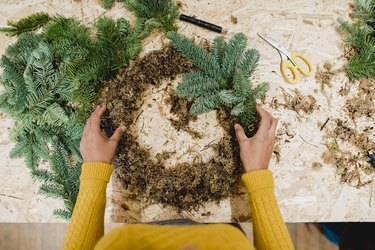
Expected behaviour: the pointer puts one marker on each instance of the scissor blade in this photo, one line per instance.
(274, 44)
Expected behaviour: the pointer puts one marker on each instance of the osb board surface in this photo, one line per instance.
(304, 194)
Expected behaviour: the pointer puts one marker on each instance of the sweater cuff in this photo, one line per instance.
(258, 180)
(96, 170)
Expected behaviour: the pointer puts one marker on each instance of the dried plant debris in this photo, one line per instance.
(363, 103)
(324, 76)
(296, 101)
(316, 165)
(234, 19)
(299, 103)
(284, 132)
(277, 152)
(352, 161)
(185, 186)
(283, 135)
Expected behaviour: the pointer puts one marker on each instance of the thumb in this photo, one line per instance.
(117, 134)
(240, 133)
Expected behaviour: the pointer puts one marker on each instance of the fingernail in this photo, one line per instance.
(235, 126)
(123, 128)
(98, 106)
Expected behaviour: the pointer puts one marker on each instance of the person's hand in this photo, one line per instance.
(256, 151)
(95, 146)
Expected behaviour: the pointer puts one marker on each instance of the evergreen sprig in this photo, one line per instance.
(360, 35)
(27, 24)
(60, 181)
(106, 4)
(223, 77)
(161, 14)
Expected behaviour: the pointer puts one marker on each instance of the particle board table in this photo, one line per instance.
(304, 193)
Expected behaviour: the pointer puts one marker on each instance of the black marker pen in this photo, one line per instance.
(201, 23)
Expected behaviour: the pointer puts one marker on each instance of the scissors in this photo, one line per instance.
(289, 62)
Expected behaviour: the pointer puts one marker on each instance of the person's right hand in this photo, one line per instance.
(256, 151)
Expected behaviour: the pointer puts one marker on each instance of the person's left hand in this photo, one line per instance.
(95, 146)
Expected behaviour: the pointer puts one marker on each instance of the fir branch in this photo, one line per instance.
(198, 56)
(232, 54)
(26, 24)
(61, 181)
(63, 214)
(218, 48)
(163, 12)
(222, 79)
(195, 84)
(360, 36)
(106, 4)
(205, 103)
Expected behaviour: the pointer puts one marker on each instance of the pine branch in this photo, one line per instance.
(162, 12)
(62, 180)
(232, 54)
(198, 56)
(26, 24)
(205, 103)
(222, 79)
(195, 84)
(63, 214)
(360, 36)
(106, 4)
(218, 48)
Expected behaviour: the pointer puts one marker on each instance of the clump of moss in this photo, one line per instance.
(362, 104)
(186, 186)
(324, 76)
(180, 108)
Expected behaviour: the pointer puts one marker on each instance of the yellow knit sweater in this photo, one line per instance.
(86, 230)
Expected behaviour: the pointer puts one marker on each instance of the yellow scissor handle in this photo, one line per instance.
(296, 56)
(294, 69)
(284, 67)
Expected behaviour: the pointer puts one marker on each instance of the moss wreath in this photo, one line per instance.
(187, 185)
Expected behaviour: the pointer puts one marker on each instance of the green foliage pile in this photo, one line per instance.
(360, 35)
(51, 76)
(223, 77)
(50, 82)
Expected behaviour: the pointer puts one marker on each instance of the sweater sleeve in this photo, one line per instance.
(270, 231)
(87, 223)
